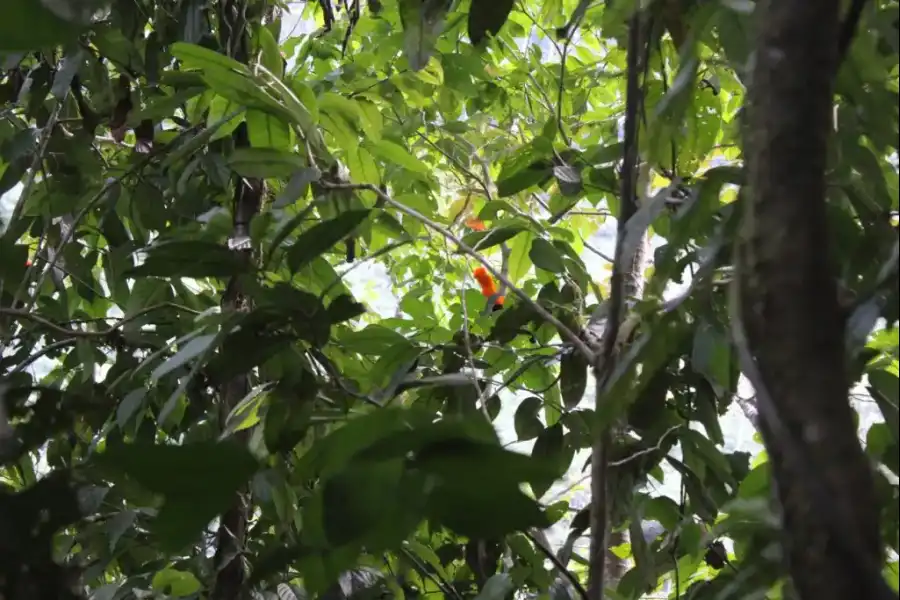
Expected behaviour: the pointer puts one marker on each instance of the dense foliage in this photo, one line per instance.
(195, 403)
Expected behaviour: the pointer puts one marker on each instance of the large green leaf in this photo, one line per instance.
(422, 23)
(198, 481)
(184, 258)
(322, 236)
(265, 162)
(486, 17)
(33, 24)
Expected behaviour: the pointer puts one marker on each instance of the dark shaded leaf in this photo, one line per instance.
(498, 587)
(375, 504)
(546, 256)
(343, 308)
(711, 357)
(511, 322)
(487, 17)
(482, 240)
(297, 186)
(197, 479)
(527, 423)
(569, 180)
(319, 238)
(537, 174)
(188, 258)
(192, 349)
(489, 511)
(289, 412)
(422, 23)
(266, 162)
(573, 374)
(31, 24)
(331, 454)
(885, 389)
(549, 448)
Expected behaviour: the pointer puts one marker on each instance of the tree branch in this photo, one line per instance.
(565, 332)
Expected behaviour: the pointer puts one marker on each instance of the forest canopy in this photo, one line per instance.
(449, 299)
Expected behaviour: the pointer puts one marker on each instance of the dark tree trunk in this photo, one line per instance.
(788, 301)
(248, 192)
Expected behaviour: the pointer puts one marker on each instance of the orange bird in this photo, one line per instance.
(475, 223)
(488, 286)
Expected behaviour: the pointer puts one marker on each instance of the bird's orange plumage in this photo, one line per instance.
(476, 224)
(488, 287)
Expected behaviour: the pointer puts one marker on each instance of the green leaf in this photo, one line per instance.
(569, 180)
(31, 25)
(233, 80)
(422, 23)
(392, 368)
(477, 487)
(330, 102)
(295, 189)
(489, 511)
(333, 453)
(268, 131)
(375, 504)
(374, 339)
(573, 375)
(498, 587)
(184, 258)
(713, 458)
(508, 185)
(194, 348)
(482, 240)
(245, 413)
(512, 322)
(428, 555)
(343, 308)
(546, 256)
(885, 390)
(549, 449)
(270, 55)
(526, 421)
(198, 57)
(519, 263)
(319, 238)
(265, 162)
(198, 481)
(487, 17)
(711, 357)
(395, 154)
(227, 122)
(178, 584)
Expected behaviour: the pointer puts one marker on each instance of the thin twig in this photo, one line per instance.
(78, 333)
(640, 453)
(570, 577)
(605, 257)
(46, 134)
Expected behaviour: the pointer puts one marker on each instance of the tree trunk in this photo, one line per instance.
(788, 303)
(626, 279)
(633, 286)
(231, 536)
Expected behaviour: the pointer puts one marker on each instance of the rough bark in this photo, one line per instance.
(789, 306)
(633, 287)
(231, 536)
(626, 282)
